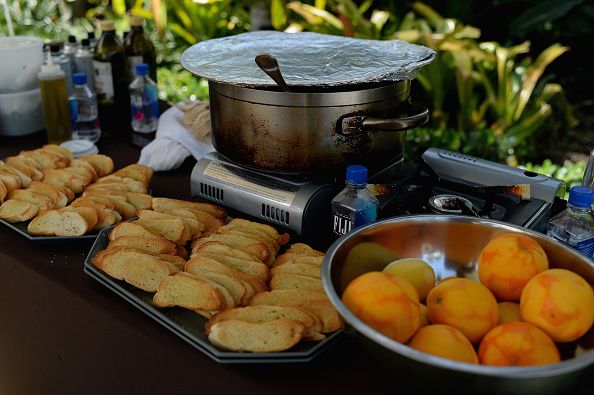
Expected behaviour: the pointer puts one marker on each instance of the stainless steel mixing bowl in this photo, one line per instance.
(451, 245)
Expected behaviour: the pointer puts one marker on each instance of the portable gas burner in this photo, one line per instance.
(444, 182)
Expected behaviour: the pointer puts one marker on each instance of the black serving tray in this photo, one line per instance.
(21, 228)
(189, 325)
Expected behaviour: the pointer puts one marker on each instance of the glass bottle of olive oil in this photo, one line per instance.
(111, 82)
(139, 49)
(54, 101)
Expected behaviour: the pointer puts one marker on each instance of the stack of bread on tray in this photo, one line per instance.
(41, 186)
(255, 300)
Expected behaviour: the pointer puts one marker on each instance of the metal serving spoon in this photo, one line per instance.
(269, 65)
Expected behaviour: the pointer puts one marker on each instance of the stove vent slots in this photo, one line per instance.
(212, 192)
(275, 214)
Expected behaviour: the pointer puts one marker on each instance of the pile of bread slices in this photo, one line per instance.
(255, 300)
(42, 186)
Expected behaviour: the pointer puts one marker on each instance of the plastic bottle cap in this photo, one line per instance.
(80, 147)
(356, 174)
(72, 39)
(79, 78)
(85, 42)
(91, 35)
(142, 69)
(106, 26)
(55, 47)
(581, 197)
(135, 21)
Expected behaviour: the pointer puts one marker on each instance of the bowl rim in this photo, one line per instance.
(403, 350)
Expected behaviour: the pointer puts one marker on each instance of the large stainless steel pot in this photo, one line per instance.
(305, 132)
(451, 245)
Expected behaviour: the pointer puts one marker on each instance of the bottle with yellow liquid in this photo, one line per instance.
(54, 100)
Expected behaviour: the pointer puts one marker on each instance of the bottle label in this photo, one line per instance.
(73, 105)
(132, 62)
(103, 81)
(145, 108)
(342, 224)
(586, 247)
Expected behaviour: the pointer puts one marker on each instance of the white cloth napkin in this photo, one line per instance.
(173, 143)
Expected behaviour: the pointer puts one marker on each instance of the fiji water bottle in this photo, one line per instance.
(575, 225)
(145, 106)
(354, 205)
(83, 110)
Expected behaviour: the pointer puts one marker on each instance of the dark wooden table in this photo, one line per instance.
(61, 332)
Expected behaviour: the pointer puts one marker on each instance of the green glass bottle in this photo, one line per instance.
(139, 49)
(111, 81)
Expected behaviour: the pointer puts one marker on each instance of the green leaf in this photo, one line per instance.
(321, 4)
(278, 14)
(428, 13)
(183, 33)
(119, 7)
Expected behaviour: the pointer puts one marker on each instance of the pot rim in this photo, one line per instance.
(389, 91)
(563, 367)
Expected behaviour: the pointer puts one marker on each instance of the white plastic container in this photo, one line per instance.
(20, 113)
(22, 57)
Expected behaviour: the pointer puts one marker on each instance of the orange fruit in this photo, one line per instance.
(465, 305)
(444, 341)
(508, 262)
(416, 271)
(385, 302)
(424, 315)
(509, 312)
(517, 344)
(559, 302)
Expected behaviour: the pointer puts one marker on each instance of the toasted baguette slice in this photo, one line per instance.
(59, 223)
(172, 229)
(59, 150)
(3, 192)
(234, 286)
(132, 186)
(151, 246)
(39, 186)
(262, 313)
(219, 248)
(210, 221)
(30, 162)
(285, 296)
(196, 227)
(326, 313)
(104, 201)
(81, 171)
(137, 172)
(255, 248)
(251, 267)
(86, 165)
(296, 268)
(178, 262)
(24, 178)
(181, 251)
(164, 204)
(11, 182)
(290, 257)
(295, 281)
(304, 249)
(103, 164)
(188, 291)
(18, 211)
(88, 213)
(134, 229)
(61, 177)
(278, 335)
(24, 166)
(200, 265)
(268, 230)
(140, 270)
(59, 199)
(47, 159)
(141, 201)
(25, 195)
(105, 219)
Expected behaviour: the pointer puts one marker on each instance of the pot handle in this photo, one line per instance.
(359, 123)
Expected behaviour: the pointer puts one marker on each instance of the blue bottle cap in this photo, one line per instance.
(581, 197)
(142, 69)
(79, 78)
(356, 174)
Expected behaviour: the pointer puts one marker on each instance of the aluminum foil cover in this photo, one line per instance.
(305, 59)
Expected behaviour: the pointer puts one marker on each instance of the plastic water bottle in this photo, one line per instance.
(83, 110)
(63, 61)
(354, 205)
(144, 103)
(70, 48)
(575, 225)
(83, 61)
